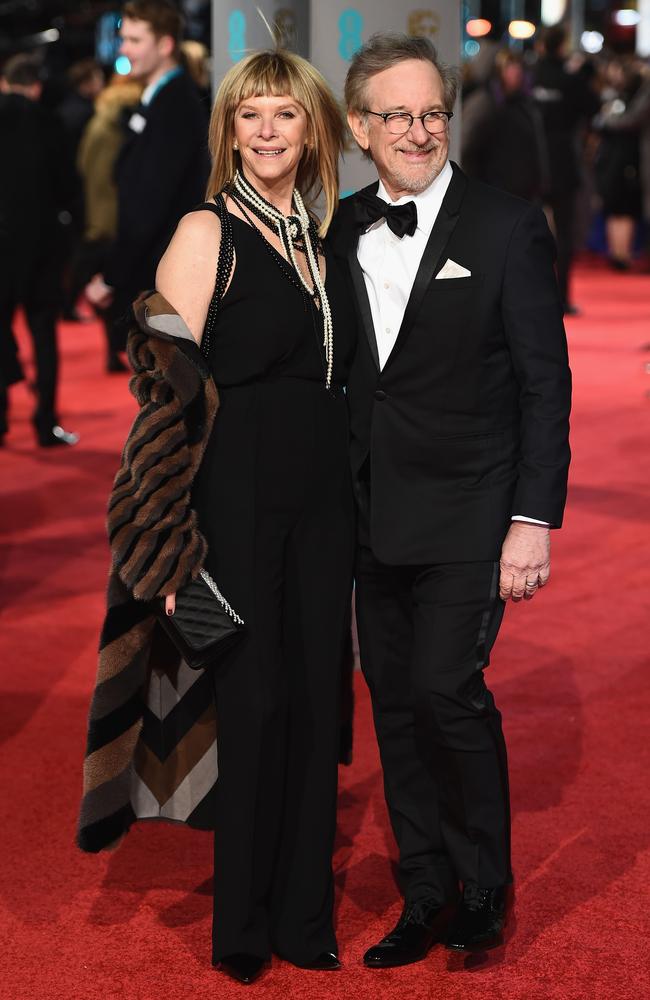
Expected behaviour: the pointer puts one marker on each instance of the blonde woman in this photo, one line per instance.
(273, 499)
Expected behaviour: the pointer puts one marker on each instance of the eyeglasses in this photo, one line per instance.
(399, 122)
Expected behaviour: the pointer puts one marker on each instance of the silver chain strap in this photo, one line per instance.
(207, 579)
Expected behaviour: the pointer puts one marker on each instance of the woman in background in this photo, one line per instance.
(99, 148)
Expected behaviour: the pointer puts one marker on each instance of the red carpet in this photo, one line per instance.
(570, 672)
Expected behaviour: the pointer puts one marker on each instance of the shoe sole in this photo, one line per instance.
(487, 945)
(395, 965)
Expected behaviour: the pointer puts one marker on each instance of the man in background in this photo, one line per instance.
(36, 184)
(163, 167)
(566, 103)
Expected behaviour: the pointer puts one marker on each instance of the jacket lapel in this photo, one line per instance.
(429, 263)
(359, 284)
(363, 302)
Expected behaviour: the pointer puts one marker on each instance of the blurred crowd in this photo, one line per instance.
(91, 188)
(569, 131)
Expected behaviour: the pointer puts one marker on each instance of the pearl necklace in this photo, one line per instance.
(288, 229)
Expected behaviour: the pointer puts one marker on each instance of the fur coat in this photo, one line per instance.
(151, 748)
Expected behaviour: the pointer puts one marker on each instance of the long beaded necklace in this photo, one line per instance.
(289, 229)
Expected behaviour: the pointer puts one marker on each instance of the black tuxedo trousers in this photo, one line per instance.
(425, 635)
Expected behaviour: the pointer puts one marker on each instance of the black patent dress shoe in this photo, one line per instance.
(417, 930)
(327, 961)
(479, 921)
(244, 968)
(56, 436)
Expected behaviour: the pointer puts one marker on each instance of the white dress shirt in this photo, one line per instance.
(390, 264)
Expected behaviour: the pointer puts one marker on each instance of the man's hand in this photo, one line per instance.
(99, 293)
(525, 561)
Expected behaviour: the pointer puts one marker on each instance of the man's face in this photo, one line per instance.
(407, 163)
(145, 52)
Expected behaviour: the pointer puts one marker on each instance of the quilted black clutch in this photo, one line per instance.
(203, 626)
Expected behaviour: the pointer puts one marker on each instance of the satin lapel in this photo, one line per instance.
(363, 302)
(438, 240)
(361, 291)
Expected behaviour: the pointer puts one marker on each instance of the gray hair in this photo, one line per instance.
(386, 49)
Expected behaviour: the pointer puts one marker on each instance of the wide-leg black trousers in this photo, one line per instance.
(425, 635)
(281, 537)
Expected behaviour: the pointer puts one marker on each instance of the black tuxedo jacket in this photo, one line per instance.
(161, 174)
(467, 423)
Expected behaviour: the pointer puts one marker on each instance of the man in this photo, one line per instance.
(36, 184)
(163, 167)
(502, 140)
(566, 103)
(459, 400)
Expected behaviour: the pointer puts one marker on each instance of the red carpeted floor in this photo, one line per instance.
(570, 672)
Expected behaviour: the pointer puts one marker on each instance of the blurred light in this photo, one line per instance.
(478, 26)
(472, 48)
(521, 29)
(627, 18)
(122, 66)
(51, 35)
(553, 11)
(643, 30)
(592, 41)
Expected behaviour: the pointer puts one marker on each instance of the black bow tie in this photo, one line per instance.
(400, 219)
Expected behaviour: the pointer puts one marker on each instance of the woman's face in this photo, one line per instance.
(271, 134)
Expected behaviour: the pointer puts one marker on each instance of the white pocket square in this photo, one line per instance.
(453, 270)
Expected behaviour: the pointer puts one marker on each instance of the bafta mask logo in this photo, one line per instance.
(284, 27)
(424, 23)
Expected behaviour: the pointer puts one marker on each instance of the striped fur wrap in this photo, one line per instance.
(151, 747)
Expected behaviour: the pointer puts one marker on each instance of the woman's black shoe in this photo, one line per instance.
(327, 961)
(244, 968)
(114, 364)
(479, 921)
(417, 930)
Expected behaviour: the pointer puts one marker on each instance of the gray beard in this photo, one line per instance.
(412, 185)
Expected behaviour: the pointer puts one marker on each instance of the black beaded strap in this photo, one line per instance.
(224, 269)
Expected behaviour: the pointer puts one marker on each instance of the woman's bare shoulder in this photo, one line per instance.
(200, 227)
(185, 275)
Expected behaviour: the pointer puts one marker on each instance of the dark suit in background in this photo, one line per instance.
(36, 183)
(161, 175)
(566, 103)
(465, 426)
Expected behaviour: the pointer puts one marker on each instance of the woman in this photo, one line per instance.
(99, 149)
(617, 165)
(272, 498)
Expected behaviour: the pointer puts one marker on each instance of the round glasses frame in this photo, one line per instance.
(399, 122)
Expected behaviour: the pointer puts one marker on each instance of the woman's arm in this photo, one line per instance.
(187, 270)
(186, 276)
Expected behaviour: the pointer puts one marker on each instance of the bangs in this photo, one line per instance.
(268, 75)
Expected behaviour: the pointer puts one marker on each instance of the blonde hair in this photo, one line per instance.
(276, 74)
(120, 92)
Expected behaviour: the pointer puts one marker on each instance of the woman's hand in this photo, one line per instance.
(170, 604)
(98, 292)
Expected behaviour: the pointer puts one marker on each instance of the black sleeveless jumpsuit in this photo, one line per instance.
(274, 500)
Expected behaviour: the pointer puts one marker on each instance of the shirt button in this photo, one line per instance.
(380, 395)
(387, 329)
